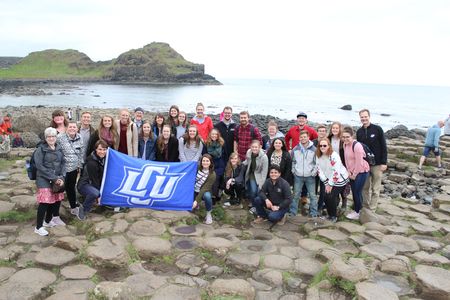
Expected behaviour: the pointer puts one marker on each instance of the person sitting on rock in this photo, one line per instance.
(234, 180)
(274, 199)
(432, 144)
(204, 181)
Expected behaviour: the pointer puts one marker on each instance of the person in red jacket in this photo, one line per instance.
(292, 137)
(203, 122)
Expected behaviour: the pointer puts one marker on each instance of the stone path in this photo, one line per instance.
(401, 250)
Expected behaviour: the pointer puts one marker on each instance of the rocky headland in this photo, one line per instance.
(400, 251)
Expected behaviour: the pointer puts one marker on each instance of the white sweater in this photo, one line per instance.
(331, 170)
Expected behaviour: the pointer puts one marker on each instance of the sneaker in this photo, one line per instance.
(333, 219)
(353, 216)
(74, 211)
(259, 220)
(252, 210)
(235, 201)
(41, 231)
(226, 204)
(81, 215)
(49, 224)
(57, 220)
(282, 221)
(419, 168)
(116, 209)
(208, 219)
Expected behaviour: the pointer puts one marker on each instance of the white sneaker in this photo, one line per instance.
(353, 215)
(41, 231)
(116, 209)
(49, 224)
(58, 221)
(74, 211)
(208, 219)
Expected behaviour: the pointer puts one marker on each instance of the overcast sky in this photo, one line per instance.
(393, 41)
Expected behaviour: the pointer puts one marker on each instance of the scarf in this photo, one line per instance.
(215, 149)
(106, 135)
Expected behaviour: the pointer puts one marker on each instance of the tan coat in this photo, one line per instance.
(132, 138)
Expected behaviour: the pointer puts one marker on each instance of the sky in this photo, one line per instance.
(393, 41)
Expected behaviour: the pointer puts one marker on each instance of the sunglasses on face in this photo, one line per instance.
(323, 146)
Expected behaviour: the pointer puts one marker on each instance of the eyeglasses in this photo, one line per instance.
(323, 146)
(51, 136)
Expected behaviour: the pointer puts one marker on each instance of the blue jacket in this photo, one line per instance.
(50, 165)
(150, 148)
(433, 135)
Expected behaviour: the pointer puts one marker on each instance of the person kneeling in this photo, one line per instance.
(204, 181)
(274, 199)
(91, 178)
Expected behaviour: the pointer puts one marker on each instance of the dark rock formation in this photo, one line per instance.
(400, 130)
(346, 107)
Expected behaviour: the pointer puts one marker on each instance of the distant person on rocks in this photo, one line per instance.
(5, 133)
(107, 132)
(85, 131)
(432, 144)
(274, 199)
(358, 170)
(158, 124)
(203, 122)
(91, 178)
(304, 171)
(59, 121)
(128, 134)
(190, 145)
(73, 149)
(167, 146)
(147, 142)
(272, 133)
(226, 128)
(182, 124)
(69, 114)
(172, 120)
(50, 168)
(244, 135)
(77, 113)
(447, 126)
(373, 136)
(293, 135)
(204, 181)
(257, 165)
(333, 174)
(138, 118)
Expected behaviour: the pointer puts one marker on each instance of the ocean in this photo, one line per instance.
(390, 105)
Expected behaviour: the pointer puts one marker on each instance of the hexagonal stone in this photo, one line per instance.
(145, 228)
(379, 251)
(6, 206)
(400, 243)
(350, 228)
(6, 272)
(176, 292)
(244, 261)
(332, 234)
(26, 284)
(186, 230)
(103, 227)
(52, 256)
(434, 281)
(24, 201)
(421, 208)
(148, 247)
(70, 243)
(275, 261)
(78, 272)
(271, 277)
(238, 287)
(312, 245)
(354, 270)
(217, 243)
(256, 246)
(144, 285)
(108, 251)
(371, 291)
(422, 228)
(397, 265)
(426, 258)
(308, 266)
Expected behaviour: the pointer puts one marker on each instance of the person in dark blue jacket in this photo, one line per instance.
(146, 142)
(432, 144)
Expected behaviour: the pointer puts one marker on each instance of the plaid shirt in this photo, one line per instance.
(243, 137)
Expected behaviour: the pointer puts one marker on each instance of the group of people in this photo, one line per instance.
(255, 171)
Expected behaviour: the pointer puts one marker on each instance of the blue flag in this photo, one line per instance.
(133, 182)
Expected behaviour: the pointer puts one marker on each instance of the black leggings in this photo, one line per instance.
(48, 211)
(71, 181)
(332, 200)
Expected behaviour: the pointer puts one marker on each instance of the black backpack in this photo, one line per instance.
(31, 164)
(370, 157)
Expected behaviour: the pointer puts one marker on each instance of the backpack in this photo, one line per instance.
(370, 157)
(31, 164)
(252, 132)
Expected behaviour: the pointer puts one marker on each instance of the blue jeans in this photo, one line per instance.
(272, 216)
(252, 190)
(310, 183)
(207, 197)
(90, 193)
(357, 188)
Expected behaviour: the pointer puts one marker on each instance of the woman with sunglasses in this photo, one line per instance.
(333, 174)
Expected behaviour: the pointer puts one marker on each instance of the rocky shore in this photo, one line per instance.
(401, 251)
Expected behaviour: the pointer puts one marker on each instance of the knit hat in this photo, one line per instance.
(302, 114)
(139, 109)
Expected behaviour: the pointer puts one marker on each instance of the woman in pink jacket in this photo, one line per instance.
(357, 167)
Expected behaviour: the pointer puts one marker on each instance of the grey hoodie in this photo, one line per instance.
(304, 160)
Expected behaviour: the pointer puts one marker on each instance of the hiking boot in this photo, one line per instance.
(282, 221)
(41, 231)
(259, 220)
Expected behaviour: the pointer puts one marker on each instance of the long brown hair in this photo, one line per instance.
(187, 139)
(330, 133)
(112, 129)
(211, 166)
(219, 137)
(141, 131)
(173, 121)
(58, 113)
(160, 140)
(330, 148)
(229, 167)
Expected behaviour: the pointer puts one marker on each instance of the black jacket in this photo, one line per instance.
(227, 133)
(373, 137)
(285, 166)
(173, 151)
(238, 175)
(279, 193)
(92, 172)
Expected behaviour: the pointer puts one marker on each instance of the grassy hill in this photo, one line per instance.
(156, 62)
